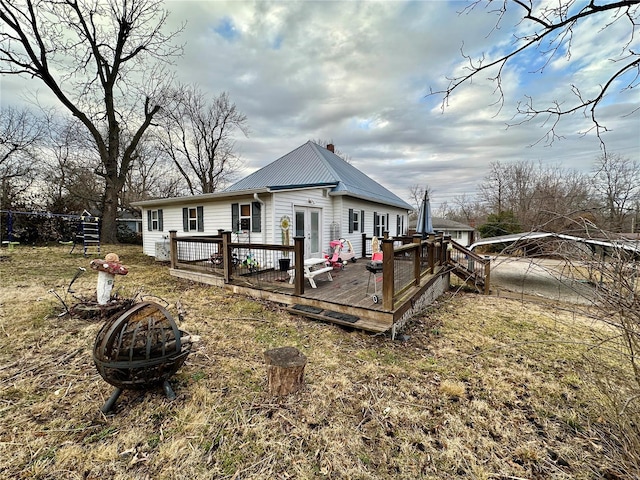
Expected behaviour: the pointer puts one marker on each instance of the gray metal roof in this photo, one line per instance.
(446, 224)
(312, 165)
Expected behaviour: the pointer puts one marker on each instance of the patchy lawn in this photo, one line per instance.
(483, 388)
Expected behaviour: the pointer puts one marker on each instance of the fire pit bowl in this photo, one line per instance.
(141, 348)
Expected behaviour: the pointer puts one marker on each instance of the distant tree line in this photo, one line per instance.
(526, 196)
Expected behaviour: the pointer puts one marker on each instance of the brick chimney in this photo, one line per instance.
(331, 148)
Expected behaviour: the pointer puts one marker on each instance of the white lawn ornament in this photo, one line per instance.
(107, 270)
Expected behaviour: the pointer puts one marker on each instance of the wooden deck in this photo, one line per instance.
(346, 300)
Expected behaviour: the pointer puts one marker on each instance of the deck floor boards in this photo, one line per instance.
(350, 292)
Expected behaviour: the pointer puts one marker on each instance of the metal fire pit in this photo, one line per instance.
(139, 349)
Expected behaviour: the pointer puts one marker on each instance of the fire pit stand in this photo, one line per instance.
(139, 349)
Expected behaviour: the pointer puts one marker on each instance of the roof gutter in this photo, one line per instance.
(190, 199)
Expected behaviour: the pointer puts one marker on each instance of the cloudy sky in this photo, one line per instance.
(359, 74)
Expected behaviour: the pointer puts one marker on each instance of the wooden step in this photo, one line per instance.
(325, 315)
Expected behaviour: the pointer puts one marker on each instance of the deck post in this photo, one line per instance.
(446, 240)
(387, 272)
(227, 253)
(173, 248)
(431, 246)
(417, 258)
(487, 274)
(298, 264)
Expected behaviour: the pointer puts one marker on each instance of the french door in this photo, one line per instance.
(308, 224)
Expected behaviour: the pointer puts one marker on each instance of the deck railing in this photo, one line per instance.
(470, 267)
(254, 264)
(404, 263)
(406, 260)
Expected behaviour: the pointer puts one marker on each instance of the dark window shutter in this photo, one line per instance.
(160, 224)
(375, 224)
(386, 224)
(256, 217)
(362, 221)
(235, 217)
(149, 220)
(351, 220)
(200, 213)
(185, 219)
(398, 232)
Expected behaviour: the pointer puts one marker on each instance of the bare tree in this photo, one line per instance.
(551, 29)
(540, 197)
(152, 176)
(199, 138)
(66, 170)
(617, 180)
(467, 210)
(20, 132)
(103, 61)
(416, 194)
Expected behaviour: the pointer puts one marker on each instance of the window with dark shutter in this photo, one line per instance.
(256, 217)
(200, 217)
(149, 220)
(160, 224)
(185, 219)
(235, 217)
(351, 220)
(362, 221)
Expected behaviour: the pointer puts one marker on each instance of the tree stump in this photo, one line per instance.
(285, 370)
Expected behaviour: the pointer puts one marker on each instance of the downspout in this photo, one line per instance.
(263, 216)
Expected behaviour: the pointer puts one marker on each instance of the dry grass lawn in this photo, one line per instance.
(483, 388)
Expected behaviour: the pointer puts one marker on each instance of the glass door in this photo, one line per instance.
(308, 224)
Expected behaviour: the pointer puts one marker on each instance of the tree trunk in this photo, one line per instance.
(109, 227)
(285, 370)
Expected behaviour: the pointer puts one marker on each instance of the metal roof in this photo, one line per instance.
(446, 224)
(311, 165)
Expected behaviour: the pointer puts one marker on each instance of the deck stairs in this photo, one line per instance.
(470, 267)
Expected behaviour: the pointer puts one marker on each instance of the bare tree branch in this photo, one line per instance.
(554, 25)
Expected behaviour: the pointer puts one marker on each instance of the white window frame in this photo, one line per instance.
(356, 220)
(192, 215)
(155, 220)
(244, 218)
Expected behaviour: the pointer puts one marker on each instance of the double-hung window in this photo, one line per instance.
(400, 225)
(246, 217)
(355, 220)
(380, 223)
(193, 219)
(154, 220)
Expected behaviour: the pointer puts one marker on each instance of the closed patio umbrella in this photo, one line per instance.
(425, 224)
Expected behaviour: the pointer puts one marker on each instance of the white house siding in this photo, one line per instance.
(216, 215)
(460, 236)
(343, 203)
(369, 208)
(286, 201)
